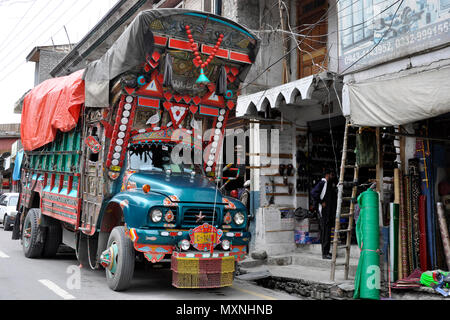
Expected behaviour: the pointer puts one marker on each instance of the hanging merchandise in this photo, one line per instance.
(399, 228)
(403, 222)
(414, 175)
(407, 184)
(367, 279)
(366, 148)
(393, 244)
(444, 232)
(423, 233)
(424, 153)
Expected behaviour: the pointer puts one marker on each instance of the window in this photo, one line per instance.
(157, 158)
(313, 49)
(356, 20)
(213, 6)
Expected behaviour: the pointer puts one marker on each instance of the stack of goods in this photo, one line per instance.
(419, 231)
(306, 227)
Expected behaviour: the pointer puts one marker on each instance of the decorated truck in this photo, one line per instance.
(121, 158)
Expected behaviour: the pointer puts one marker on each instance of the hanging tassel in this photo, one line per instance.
(221, 84)
(168, 71)
(202, 78)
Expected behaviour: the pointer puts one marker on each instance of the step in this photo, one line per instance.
(320, 275)
(282, 260)
(249, 262)
(316, 261)
(317, 249)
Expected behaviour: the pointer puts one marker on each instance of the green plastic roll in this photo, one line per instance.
(367, 280)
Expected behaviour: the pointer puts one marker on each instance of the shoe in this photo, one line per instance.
(282, 169)
(327, 256)
(289, 170)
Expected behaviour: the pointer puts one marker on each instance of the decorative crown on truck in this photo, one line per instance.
(99, 173)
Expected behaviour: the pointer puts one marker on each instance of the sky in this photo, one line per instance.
(25, 24)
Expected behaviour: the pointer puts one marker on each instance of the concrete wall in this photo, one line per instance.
(47, 61)
(193, 4)
(261, 16)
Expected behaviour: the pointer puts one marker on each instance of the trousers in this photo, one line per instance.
(325, 234)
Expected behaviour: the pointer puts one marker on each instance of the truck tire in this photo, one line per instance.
(52, 240)
(121, 279)
(32, 247)
(6, 223)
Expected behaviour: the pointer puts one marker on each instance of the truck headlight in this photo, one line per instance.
(225, 244)
(156, 215)
(239, 218)
(184, 245)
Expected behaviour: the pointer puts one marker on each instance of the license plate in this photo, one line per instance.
(202, 238)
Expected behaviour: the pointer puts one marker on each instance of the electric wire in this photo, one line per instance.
(25, 31)
(324, 16)
(26, 49)
(17, 24)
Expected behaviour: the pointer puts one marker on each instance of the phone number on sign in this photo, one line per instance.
(422, 35)
(391, 46)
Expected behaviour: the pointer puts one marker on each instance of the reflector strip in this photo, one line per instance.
(160, 41)
(241, 57)
(148, 102)
(222, 53)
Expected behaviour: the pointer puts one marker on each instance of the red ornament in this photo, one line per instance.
(195, 49)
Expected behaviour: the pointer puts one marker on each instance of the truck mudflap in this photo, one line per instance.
(199, 272)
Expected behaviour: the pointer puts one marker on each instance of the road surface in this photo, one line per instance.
(61, 278)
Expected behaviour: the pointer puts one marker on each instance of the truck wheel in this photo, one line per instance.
(32, 247)
(119, 277)
(52, 240)
(6, 223)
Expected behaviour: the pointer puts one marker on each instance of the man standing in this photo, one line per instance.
(325, 201)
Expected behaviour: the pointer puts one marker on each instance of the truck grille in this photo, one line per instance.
(191, 216)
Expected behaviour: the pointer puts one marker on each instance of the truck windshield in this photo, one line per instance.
(157, 158)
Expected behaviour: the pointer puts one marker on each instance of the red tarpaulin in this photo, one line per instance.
(53, 105)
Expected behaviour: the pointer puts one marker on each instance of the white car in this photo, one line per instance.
(8, 203)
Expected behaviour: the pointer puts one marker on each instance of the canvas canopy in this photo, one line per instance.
(130, 49)
(399, 100)
(53, 105)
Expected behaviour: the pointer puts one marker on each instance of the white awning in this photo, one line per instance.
(399, 100)
(288, 93)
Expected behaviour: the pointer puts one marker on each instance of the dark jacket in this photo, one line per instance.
(330, 199)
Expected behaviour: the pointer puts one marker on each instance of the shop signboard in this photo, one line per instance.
(376, 31)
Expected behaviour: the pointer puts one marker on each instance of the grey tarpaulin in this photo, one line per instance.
(400, 100)
(130, 49)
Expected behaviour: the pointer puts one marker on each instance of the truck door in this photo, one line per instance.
(92, 176)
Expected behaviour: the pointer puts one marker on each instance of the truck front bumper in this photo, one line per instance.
(155, 244)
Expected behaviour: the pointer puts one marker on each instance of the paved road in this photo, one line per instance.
(61, 278)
